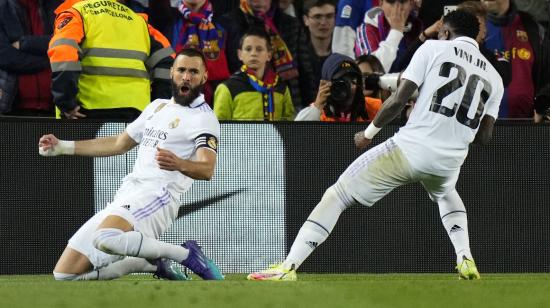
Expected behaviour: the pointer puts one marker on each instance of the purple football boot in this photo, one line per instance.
(199, 263)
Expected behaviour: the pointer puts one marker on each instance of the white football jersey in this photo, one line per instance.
(168, 125)
(457, 87)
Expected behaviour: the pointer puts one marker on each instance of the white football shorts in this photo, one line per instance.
(383, 168)
(151, 210)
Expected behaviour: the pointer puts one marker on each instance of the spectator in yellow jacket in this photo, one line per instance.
(255, 93)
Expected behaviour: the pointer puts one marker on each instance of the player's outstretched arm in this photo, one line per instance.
(49, 145)
(202, 168)
(485, 132)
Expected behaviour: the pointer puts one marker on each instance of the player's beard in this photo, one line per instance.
(186, 99)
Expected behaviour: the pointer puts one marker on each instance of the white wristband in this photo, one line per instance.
(63, 147)
(371, 131)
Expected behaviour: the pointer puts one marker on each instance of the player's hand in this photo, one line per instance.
(49, 145)
(397, 18)
(47, 142)
(361, 142)
(322, 94)
(74, 114)
(167, 160)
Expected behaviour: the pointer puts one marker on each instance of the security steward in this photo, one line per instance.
(107, 61)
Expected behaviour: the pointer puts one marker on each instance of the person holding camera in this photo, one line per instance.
(339, 98)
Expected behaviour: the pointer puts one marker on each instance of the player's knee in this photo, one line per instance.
(337, 196)
(64, 277)
(108, 240)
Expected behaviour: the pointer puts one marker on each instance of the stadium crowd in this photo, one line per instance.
(102, 59)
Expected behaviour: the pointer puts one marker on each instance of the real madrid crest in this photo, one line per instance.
(174, 123)
(212, 143)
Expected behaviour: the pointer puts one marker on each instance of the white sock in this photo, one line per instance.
(121, 268)
(135, 244)
(112, 271)
(455, 221)
(317, 227)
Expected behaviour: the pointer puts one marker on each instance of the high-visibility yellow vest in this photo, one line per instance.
(114, 50)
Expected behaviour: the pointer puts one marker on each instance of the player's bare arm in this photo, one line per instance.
(485, 132)
(393, 106)
(201, 168)
(50, 145)
(390, 109)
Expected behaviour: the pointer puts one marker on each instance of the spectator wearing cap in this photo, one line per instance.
(340, 98)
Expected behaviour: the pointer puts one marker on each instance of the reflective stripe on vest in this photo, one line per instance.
(158, 55)
(161, 73)
(114, 50)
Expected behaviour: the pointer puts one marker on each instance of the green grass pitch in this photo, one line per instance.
(312, 290)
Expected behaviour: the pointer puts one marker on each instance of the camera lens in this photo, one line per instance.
(340, 90)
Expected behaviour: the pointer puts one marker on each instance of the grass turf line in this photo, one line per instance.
(312, 290)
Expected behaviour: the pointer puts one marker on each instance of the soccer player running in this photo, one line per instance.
(458, 103)
(177, 144)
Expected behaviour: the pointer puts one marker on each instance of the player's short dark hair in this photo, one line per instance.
(309, 4)
(462, 23)
(192, 52)
(258, 32)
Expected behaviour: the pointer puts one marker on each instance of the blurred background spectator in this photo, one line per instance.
(286, 35)
(287, 6)
(102, 73)
(387, 31)
(349, 15)
(539, 9)
(255, 92)
(516, 35)
(318, 17)
(195, 28)
(26, 28)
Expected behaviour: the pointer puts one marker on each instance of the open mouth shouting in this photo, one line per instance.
(185, 89)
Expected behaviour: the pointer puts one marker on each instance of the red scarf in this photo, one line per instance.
(196, 30)
(282, 58)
